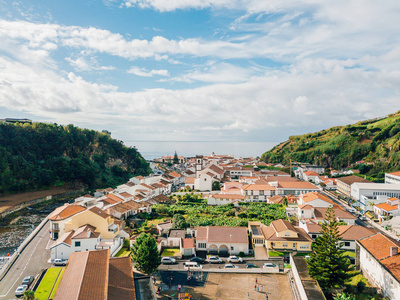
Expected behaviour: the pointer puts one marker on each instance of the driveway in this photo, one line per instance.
(260, 253)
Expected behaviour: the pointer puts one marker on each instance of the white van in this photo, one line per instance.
(192, 265)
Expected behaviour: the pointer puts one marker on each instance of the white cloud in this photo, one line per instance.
(145, 73)
(82, 64)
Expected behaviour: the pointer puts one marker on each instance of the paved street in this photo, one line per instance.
(30, 262)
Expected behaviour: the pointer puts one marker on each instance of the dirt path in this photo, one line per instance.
(9, 201)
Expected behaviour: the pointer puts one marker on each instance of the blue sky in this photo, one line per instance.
(233, 70)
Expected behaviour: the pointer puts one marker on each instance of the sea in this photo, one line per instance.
(157, 149)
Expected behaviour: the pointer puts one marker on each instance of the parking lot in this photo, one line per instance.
(224, 286)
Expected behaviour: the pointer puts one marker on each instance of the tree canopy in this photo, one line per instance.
(39, 155)
(179, 222)
(328, 264)
(145, 254)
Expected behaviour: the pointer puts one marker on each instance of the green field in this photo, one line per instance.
(49, 283)
(123, 252)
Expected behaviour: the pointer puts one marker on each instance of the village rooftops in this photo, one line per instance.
(308, 197)
(379, 245)
(258, 187)
(221, 234)
(397, 173)
(296, 185)
(311, 173)
(187, 243)
(277, 199)
(386, 206)
(99, 212)
(319, 213)
(115, 198)
(355, 232)
(349, 180)
(227, 196)
(177, 233)
(85, 232)
(65, 211)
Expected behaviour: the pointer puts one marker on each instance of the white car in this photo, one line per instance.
(269, 265)
(168, 260)
(215, 260)
(20, 290)
(60, 262)
(230, 266)
(235, 259)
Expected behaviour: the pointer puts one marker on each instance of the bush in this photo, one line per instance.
(360, 286)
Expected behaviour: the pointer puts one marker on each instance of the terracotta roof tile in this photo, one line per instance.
(120, 279)
(296, 185)
(227, 196)
(65, 211)
(115, 198)
(281, 225)
(386, 206)
(258, 187)
(187, 243)
(220, 234)
(99, 212)
(379, 245)
(355, 232)
(349, 180)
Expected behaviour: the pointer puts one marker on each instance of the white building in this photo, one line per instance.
(222, 240)
(221, 199)
(258, 192)
(379, 262)
(392, 178)
(374, 189)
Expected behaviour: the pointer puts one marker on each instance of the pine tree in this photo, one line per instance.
(176, 159)
(145, 253)
(327, 264)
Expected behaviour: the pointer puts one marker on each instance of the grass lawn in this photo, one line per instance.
(350, 254)
(275, 253)
(171, 252)
(47, 283)
(356, 278)
(123, 252)
(57, 283)
(303, 253)
(155, 222)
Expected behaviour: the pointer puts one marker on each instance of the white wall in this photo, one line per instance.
(375, 272)
(61, 251)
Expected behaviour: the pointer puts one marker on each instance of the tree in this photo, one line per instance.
(179, 222)
(344, 296)
(216, 186)
(145, 254)
(29, 295)
(176, 159)
(328, 263)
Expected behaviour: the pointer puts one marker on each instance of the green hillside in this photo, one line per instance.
(376, 141)
(38, 155)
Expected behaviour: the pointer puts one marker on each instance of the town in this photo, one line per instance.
(220, 226)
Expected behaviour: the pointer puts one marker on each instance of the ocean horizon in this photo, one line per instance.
(156, 149)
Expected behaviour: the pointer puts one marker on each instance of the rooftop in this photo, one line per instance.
(349, 180)
(221, 234)
(65, 211)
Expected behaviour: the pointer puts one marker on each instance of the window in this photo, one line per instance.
(77, 244)
(202, 245)
(287, 233)
(231, 248)
(347, 244)
(304, 247)
(314, 236)
(284, 245)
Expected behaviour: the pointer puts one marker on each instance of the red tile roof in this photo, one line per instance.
(379, 245)
(386, 206)
(65, 211)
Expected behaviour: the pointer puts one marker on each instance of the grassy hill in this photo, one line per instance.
(38, 155)
(376, 141)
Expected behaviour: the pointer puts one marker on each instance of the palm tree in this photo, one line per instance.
(29, 295)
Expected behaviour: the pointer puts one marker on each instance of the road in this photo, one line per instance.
(179, 265)
(30, 262)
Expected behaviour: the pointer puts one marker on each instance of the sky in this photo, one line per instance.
(200, 70)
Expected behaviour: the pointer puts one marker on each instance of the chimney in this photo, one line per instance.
(394, 251)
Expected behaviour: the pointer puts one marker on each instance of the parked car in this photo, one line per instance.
(60, 262)
(363, 218)
(215, 260)
(235, 259)
(192, 265)
(28, 280)
(198, 260)
(20, 290)
(269, 265)
(230, 266)
(250, 266)
(168, 260)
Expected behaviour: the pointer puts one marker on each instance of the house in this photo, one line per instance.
(316, 199)
(258, 192)
(164, 227)
(295, 187)
(310, 176)
(187, 247)
(175, 236)
(349, 234)
(277, 199)
(85, 238)
(233, 187)
(221, 199)
(392, 178)
(204, 182)
(344, 184)
(60, 216)
(330, 184)
(94, 275)
(222, 240)
(387, 209)
(379, 261)
(306, 212)
(283, 236)
(189, 182)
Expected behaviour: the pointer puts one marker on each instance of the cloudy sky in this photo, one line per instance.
(189, 70)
